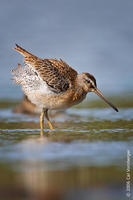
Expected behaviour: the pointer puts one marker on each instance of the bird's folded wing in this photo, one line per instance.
(58, 75)
(56, 81)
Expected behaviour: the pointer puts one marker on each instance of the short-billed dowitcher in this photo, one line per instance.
(52, 84)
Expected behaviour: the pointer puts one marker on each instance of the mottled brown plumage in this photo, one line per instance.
(56, 73)
(53, 84)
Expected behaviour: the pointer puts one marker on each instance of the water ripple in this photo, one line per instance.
(80, 153)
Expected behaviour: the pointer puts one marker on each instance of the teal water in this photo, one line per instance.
(85, 156)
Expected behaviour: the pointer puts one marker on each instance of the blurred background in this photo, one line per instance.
(85, 157)
(91, 36)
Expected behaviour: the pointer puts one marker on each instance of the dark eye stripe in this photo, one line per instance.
(87, 80)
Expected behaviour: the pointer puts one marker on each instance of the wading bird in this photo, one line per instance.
(52, 84)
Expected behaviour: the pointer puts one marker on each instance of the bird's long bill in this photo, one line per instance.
(101, 95)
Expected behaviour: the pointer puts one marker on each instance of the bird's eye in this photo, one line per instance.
(87, 80)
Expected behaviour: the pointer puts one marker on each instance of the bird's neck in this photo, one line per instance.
(79, 92)
(80, 84)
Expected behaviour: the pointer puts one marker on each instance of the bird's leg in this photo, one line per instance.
(42, 122)
(49, 123)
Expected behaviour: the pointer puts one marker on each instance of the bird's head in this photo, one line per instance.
(89, 84)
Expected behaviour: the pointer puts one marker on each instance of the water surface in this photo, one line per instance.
(85, 156)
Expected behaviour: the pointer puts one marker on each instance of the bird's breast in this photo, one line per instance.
(67, 99)
(53, 101)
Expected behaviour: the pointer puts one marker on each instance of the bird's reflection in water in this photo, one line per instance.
(38, 182)
(41, 179)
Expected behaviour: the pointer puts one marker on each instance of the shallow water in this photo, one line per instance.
(85, 156)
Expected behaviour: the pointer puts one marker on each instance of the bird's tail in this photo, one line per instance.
(22, 51)
(29, 58)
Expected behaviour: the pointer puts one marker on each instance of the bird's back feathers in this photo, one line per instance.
(58, 75)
